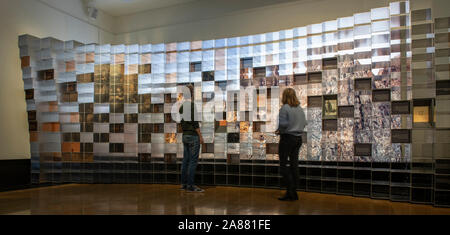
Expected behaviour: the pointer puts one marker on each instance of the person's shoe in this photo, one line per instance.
(294, 197)
(183, 187)
(289, 197)
(194, 189)
(285, 198)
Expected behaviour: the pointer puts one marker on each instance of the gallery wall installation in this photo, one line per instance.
(374, 87)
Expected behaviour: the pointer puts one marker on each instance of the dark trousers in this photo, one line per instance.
(288, 150)
(191, 146)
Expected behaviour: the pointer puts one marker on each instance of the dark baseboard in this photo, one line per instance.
(15, 174)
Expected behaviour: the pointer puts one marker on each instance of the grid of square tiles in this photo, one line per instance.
(442, 132)
(112, 104)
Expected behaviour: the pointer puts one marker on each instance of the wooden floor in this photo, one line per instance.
(168, 199)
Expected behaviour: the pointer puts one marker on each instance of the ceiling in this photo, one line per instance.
(127, 7)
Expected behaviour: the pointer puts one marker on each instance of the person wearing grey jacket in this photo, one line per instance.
(291, 122)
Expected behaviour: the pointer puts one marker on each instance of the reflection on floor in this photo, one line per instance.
(169, 199)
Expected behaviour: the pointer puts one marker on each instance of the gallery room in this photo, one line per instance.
(301, 107)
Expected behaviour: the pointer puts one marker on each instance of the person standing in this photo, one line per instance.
(192, 138)
(291, 122)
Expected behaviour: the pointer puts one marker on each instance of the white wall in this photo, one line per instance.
(212, 19)
(221, 19)
(39, 19)
(189, 12)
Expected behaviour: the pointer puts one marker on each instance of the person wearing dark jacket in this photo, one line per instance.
(291, 122)
(192, 138)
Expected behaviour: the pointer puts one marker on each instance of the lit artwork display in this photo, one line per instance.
(116, 103)
(421, 114)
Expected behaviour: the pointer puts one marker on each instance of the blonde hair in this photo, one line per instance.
(289, 97)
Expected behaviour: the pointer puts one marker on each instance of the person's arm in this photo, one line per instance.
(199, 135)
(283, 120)
(196, 122)
(304, 121)
(180, 111)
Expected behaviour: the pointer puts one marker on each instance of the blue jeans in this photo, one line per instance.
(191, 144)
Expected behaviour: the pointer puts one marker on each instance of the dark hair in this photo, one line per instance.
(191, 90)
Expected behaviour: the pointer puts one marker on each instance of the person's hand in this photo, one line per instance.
(201, 140)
